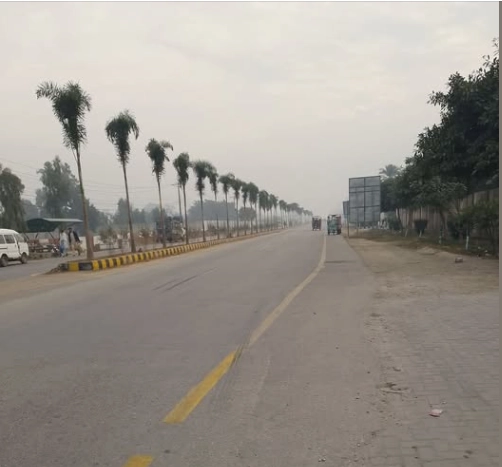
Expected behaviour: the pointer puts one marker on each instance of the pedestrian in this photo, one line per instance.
(63, 243)
(74, 241)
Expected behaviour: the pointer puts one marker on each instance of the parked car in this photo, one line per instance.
(13, 247)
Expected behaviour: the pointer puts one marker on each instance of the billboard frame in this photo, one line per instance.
(368, 187)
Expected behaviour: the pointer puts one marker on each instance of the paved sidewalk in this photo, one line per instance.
(435, 325)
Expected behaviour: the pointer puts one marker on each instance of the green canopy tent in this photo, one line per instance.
(47, 225)
(42, 225)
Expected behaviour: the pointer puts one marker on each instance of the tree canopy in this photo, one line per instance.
(11, 204)
(457, 156)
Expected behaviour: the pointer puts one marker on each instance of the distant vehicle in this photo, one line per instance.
(174, 230)
(334, 224)
(316, 223)
(13, 247)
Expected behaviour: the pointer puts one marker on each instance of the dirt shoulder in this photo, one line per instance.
(434, 325)
(410, 272)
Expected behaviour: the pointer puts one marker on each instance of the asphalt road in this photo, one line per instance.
(92, 363)
(35, 267)
(16, 270)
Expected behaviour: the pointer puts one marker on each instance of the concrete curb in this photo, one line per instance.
(132, 258)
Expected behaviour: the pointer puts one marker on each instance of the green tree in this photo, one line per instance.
(464, 146)
(236, 187)
(389, 171)
(213, 182)
(121, 216)
(201, 171)
(58, 189)
(245, 196)
(157, 153)
(182, 165)
(118, 130)
(11, 205)
(273, 204)
(226, 183)
(253, 201)
(283, 206)
(70, 103)
(442, 196)
(486, 219)
(263, 200)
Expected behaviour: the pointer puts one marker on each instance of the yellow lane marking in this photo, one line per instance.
(138, 461)
(197, 393)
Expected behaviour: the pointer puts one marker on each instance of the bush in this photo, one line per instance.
(394, 224)
(485, 216)
(459, 225)
(420, 226)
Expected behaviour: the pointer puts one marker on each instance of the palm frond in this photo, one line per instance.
(182, 165)
(118, 131)
(201, 171)
(213, 178)
(157, 155)
(70, 103)
(226, 182)
(166, 145)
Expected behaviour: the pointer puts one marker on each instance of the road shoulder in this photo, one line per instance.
(434, 326)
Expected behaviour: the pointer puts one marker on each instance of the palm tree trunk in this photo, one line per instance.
(217, 219)
(131, 232)
(162, 220)
(245, 222)
(202, 215)
(228, 220)
(237, 213)
(186, 217)
(88, 239)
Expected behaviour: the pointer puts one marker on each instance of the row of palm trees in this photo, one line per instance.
(70, 103)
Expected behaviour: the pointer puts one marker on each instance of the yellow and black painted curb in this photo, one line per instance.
(132, 258)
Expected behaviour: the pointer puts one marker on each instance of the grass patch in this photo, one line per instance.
(477, 247)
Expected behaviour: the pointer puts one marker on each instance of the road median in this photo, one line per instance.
(116, 261)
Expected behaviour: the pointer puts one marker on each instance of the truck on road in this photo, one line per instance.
(334, 224)
(316, 223)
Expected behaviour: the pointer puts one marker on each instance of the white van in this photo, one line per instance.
(13, 247)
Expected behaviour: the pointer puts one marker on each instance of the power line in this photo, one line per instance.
(87, 181)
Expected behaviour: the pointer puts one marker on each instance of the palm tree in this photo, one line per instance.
(157, 153)
(282, 207)
(390, 171)
(253, 200)
(273, 204)
(289, 210)
(182, 164)
(269, 212)
(70, 103)
(213, 181)
(236, 186)
(201, 170)
(263, 198)
(226, 183)
(118, 131)
(245, 196)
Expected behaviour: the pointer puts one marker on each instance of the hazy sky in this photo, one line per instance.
(296, 97)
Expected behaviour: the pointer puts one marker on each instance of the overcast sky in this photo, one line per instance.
(296, 97)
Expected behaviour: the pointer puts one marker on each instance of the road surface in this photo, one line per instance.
(248, 354)
(35, 267)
